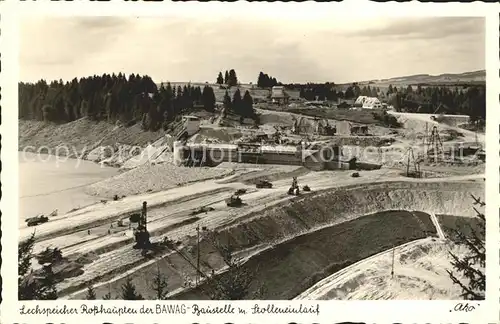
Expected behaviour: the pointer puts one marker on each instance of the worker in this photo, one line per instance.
(88, 232)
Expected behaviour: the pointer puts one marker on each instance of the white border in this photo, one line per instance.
(331, 311)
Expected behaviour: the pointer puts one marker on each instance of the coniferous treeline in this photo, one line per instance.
(465, 99)
(242, 106)
(111, 98)
(266, 81)
(319, 91)
(230, 79)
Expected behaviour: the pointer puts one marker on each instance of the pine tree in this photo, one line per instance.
(208, 98)
(27, 285)
(129, 291)
(90, 293)
(159, 285)
(30, 286)
(25, 254)
(226, 77)
(235, 283)
(236, 104)
(107, 296)
(247, 105)
(227, 101)
(47, 285)
(260, 80)
(220, 79)
(233, 79)
(472, 266)
(390, 90)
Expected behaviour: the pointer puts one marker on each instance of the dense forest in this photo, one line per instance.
(111, 98)
(138, 99)
(466, 100)
(456, 99)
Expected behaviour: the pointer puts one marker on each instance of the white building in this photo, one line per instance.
(372, 103)
(360, 101)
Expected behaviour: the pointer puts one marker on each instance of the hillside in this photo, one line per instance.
(447, 78)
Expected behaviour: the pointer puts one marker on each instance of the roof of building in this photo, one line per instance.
(369, 101)
(360, 99)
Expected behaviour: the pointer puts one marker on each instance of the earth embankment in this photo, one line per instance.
(297, 243)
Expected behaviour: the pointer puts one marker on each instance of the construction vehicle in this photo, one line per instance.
(263, 184)
(37, 220)
(294, 188)
(240, 192)
(202, 210)
(306, 188)
(355, 175)
(141, 233)
(234, 201)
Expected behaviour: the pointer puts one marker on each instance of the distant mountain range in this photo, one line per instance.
(466, 77)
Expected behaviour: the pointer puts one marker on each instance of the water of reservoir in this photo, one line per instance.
(49, 182)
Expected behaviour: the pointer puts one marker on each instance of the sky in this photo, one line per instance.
(181, 49)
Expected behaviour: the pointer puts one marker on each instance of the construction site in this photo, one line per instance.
(317, 205)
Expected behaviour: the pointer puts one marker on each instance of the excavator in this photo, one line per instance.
(141, 233)
(294, 188)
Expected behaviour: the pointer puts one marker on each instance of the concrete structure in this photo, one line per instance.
(279, 96)
(359, 130)
(192, 124)
(178, 153)
(324, 158)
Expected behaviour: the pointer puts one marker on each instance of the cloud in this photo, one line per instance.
(426, 28)
(183, 49)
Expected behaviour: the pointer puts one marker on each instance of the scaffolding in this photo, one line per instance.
(433, 143)
(412, 164)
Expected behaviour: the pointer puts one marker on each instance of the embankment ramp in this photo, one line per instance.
(309, 238)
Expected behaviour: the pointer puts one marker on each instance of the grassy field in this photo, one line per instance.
(293, 266)
(466, 225)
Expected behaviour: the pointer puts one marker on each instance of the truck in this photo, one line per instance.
(37, 220)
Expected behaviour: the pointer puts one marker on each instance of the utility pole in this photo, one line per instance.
(425, 137)
(144, 215)
(198, 253)
(408, 163)
(392, 269)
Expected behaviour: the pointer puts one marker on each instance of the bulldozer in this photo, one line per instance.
(37, 220)
(234, 201)
(264, 184)
(294, 188)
